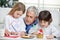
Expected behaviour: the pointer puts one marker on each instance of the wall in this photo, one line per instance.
(55, 14)
(52, 5)
(3, 13)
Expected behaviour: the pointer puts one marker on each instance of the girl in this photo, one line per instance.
(13, 21)
(45, 20)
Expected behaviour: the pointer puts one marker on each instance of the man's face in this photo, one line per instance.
(30, 17)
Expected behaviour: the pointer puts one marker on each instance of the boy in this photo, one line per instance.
(45, 20)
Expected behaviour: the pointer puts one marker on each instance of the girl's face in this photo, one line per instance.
(43, 23)
(17, 14)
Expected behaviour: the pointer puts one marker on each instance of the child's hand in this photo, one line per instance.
(50, 37)
(14, 33)
(7, 33)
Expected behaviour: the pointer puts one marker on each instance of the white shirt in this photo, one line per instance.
(14, 25)
(51, 29)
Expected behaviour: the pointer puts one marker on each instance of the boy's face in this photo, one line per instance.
(43, 23)
(17, 14)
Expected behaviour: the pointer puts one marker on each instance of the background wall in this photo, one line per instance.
(3, 13)
(52, 5)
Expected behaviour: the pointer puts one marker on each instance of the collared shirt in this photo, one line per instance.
(28, 27)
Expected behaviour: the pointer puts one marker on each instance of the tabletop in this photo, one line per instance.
(19, 38)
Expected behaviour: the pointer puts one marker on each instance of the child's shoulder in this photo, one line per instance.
(52, 26)
(8, 17)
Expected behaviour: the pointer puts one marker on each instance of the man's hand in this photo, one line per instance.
(34, 33)
(22, 33)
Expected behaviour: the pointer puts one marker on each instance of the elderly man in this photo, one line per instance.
(31, 18)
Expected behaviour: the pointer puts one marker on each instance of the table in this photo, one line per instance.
(35, 38)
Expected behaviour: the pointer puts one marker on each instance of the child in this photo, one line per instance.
(45, 20)
(13, 21)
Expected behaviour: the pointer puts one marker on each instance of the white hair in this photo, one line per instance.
(34, 9)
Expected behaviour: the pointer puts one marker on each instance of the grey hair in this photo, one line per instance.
(34, 9)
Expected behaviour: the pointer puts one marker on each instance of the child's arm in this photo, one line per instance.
(6, 26)
(50, 37)
(6, 23)
(22, 25)
(55, 33)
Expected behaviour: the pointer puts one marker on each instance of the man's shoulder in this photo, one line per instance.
(35, 22)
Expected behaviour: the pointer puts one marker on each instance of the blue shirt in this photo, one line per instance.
(28, 27)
